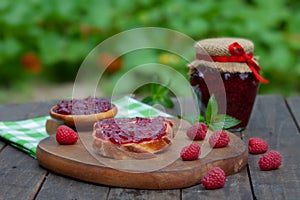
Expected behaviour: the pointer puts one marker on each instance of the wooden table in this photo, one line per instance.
(274, 119)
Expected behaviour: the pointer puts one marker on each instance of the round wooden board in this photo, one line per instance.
(79, 162)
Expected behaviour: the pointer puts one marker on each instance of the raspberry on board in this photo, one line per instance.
(66, 135)
(190, 152)
(197, 131)
(214, 179)
(219, 139)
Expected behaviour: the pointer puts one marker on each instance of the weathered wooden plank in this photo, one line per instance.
(272, 121)
(294, 106)
(70, 189)
(2, 144)
(25, 183)
(124, 194)
(11, 112)
(237, 187)
(20, 175)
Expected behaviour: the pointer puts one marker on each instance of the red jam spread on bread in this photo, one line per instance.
(86, 106)
(131, 130)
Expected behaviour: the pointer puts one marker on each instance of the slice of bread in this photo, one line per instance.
(132, 138)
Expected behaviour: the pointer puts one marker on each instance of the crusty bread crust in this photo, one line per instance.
(83, 120)
(142, 150)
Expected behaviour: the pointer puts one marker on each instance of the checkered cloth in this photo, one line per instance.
(26, 134)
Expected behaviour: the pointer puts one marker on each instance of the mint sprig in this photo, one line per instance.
(212, 119)
(159, 94)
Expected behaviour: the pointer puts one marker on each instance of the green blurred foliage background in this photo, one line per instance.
(48, 40)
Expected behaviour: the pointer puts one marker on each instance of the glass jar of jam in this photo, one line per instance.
(226, 68)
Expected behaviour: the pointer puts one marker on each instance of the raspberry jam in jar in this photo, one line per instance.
(231, 61)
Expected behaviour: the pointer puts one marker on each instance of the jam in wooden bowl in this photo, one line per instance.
(83, 112)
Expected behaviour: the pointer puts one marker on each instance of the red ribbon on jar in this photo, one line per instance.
(238, 54)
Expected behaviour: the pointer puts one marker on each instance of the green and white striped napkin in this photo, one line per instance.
(26, 134)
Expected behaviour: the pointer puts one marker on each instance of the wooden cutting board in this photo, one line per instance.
(166, 171)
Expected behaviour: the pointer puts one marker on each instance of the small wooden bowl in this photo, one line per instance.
(83, 120)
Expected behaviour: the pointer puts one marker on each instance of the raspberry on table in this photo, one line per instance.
(214, 179)
(270, 161)
(219, 139)
(197, 131)
(257, 146)
(66, 135)
(190, 152)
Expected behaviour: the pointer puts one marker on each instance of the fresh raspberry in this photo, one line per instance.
(214, 179)
(110, 62)
(31, 62)
(219, 139)
(197, 131)
(66, 135)
(190, 152)
(257, 146)
(270, 160)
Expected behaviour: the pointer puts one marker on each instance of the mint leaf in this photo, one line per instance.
(211, 109)
(223, 121)
(230, 122)
(159, 94)
(167, 102)
(217, 123)
(212, 119)
(148, 100)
